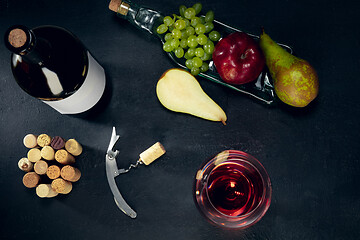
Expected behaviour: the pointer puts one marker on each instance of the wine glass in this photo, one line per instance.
(232, 190)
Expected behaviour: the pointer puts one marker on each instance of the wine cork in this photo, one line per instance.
(43, 140)
(53, 172)
(25, 165)
(34, 155)
(17, 38)
(31, 180)
(70, 173)
(152, 153)
(73, 147)
(64, 157)
(30, 141)
(114, 5)
(48, 153)
(41, 167)
(57, 143)
(45, 191)
(61, 186)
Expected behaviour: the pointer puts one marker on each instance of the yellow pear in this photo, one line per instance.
(179, 91)
(295, 80)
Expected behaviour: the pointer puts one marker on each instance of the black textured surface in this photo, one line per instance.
(312, 154)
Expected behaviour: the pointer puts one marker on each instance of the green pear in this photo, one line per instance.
(295, 80)
(179, 91)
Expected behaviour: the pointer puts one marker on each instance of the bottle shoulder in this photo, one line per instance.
(60, 66)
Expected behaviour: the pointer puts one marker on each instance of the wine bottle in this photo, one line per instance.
(51, 64)
(149, 20)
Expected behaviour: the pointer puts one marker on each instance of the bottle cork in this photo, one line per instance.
(61, 186)
(73, 147)
(119, 6)
(25, 165)
(43, 140)
(41, 167)
(57, 143)
(70, 173)
(45, 191)
(152, 153)
(30, 141)
(34, 155)
(31, 179)
(17, 38)
(64, 157)
(114, 5)
(53, 172)
(48, 153)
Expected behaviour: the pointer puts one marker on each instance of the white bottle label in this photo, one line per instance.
(87, 95)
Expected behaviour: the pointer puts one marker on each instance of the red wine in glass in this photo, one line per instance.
(232, 189)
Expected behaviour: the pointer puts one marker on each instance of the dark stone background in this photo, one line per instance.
(311, 154)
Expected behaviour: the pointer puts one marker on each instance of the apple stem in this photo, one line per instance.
(223, 122)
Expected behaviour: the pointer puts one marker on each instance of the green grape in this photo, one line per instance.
(161, 29)
(209, 17)
(190, 31)
(174, 43)
(168, 37)
(197, 7)
(204, 67)
(183, 43)
(195, 21)
(202, 39)
(187, 22)
(189, 63)
(176, 33)
(182, 10)
(208, 27)
(168, 21)
(191, 52)
(214, 36)
(184, 35)
(197, 62)
(180, 24)
(192, 41)
(209, 47)
(195, 71)
(189, 13)
(200, 28)
(199, 52)
(179, 52)
(206, 56)
(186, 56)
(167, 47)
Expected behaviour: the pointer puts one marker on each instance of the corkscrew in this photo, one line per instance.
(112, 171)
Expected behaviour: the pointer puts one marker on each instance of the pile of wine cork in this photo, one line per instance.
(49, 164)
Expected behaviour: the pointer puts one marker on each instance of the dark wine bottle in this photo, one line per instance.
(51, 64)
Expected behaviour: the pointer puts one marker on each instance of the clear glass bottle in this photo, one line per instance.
(51, 64)
(147, 19)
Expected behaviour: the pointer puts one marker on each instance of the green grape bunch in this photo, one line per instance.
(190, 36)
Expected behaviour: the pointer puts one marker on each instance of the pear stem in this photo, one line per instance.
(262, 30)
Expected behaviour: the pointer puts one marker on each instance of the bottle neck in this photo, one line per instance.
(143, 18)
(22, 41)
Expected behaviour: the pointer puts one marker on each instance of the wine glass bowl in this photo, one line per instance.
(232, 190)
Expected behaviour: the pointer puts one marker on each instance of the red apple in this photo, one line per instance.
(238, 58)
